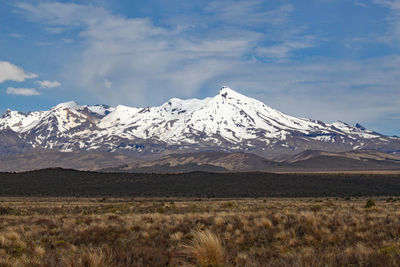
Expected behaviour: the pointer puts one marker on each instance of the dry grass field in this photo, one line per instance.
(183, 232)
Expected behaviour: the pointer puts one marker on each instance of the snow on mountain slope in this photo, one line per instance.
(120, 116)
(101, 110)
(354, 130)
(229, 115)
(18, 121)
(227, 122)
(64, 113)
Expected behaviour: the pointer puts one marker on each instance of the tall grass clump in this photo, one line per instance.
(206, 249)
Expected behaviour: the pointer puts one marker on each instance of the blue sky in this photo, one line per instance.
(323, 59)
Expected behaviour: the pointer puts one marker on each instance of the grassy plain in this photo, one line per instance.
(199, 232)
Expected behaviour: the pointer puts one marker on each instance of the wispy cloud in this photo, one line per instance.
(17, 35)
(283, 50)
(361, 4)
(68, 40)
(393, 34)
(64, 15)
(48, 84)
(249, 12)
(392, 4)
(139, 56)
(55, 30)
(11, 72)
(43, 43)
(22, 91)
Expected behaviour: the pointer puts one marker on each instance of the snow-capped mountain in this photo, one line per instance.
(227, 122)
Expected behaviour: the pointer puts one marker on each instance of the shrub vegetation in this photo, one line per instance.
(235, 232)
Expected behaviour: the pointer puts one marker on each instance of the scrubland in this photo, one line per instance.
(199, 232)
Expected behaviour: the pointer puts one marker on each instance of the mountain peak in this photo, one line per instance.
(226, 91)
(359, 126)
(69, 104)
(6, 113)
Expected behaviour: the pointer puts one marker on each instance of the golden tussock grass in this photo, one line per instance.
(247, 232)
(206, 248)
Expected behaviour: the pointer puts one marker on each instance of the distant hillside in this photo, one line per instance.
(307, 161)
(206, 161)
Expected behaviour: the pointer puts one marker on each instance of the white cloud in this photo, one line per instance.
(393, 33)
(55, 30)
(249, 12)
(147, 62)
(22, 91)
(64, 15)
(11, 72)
(284, 49)
(392, 4)
(48, 84)
(68, 40)
(361, 4)
(17, 35)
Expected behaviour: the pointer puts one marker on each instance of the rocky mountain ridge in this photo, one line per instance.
(228, 122)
